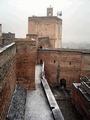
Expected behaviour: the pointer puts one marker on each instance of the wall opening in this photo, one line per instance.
(63, 83)
(40, 47)
(54, 61)
(41, 61)
(69, 63)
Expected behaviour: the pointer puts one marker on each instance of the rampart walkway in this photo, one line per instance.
(37, 107)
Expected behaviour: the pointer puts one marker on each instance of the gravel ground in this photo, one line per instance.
(17, 106)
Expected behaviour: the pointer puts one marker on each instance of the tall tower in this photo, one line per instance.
(47, 27)
(50, 11)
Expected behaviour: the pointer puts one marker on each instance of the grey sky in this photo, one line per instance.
(76, 16)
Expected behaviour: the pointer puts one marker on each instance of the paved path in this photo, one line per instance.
(37, 107)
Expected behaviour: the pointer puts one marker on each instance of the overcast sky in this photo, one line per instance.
(76, 16)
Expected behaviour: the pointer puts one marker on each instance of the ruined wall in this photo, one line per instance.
(7, 77)
(70, 63)
(25, 63)
(46, 27)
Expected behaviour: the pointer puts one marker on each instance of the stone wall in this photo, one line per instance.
(73, 64)
(7, 38)
(25, 63)
(7, 77)
(70, 64)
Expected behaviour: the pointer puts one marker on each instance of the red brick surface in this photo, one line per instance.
(25, 63)
(72, 65)
(21, 70)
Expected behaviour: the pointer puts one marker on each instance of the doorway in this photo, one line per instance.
(63, 83)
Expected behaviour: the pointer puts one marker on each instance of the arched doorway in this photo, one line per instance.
(63, 83)
(40, 47)
(41, 61)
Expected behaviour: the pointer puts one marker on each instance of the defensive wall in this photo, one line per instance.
(7, 77)
(64, 64)
(17, 66)
(25, 63)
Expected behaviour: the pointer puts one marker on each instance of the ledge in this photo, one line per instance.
(51, 100)
(6, 47)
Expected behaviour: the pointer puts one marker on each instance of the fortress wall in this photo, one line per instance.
(25, 63)
(48, 58)
(69, 63)
(7, 77)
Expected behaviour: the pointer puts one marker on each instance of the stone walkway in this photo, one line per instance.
(37, 107)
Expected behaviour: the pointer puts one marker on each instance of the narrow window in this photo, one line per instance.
(54, 61)
(40, 47)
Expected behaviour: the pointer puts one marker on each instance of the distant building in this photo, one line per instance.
(7, 38)
(47, 27)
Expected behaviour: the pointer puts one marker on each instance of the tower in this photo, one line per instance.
(47, 27)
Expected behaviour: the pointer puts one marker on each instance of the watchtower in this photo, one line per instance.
(47, 27)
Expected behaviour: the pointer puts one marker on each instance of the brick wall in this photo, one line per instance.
(25, 63)
(7, 78)
(70, 62)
